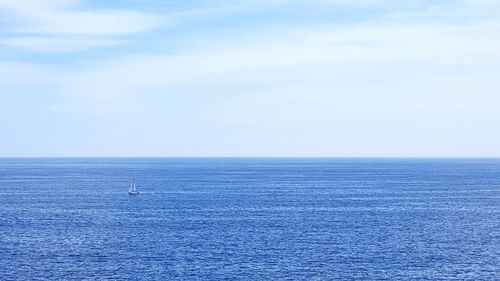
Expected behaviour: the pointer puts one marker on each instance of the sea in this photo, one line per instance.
(249, 219)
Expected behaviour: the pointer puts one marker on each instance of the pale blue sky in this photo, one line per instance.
(363, 78)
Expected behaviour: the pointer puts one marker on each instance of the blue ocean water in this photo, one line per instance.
(250, 219)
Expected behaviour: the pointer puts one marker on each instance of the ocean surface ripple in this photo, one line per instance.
(250, 219)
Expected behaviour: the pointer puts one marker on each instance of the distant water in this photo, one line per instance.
(250, 219)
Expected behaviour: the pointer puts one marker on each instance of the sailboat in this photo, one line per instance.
(132, 190)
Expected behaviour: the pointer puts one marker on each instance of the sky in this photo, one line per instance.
(285, 78)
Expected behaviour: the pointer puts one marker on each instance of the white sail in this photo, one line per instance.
(132, 189)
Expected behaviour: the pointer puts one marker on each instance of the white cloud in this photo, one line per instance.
(315, 2)
(62, 25)
(481, 2)
(91, 23)
(63, 17)
(48, 44)
(306, 47)
(277, 53)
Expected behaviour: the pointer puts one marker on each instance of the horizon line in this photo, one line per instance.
(253, 157)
